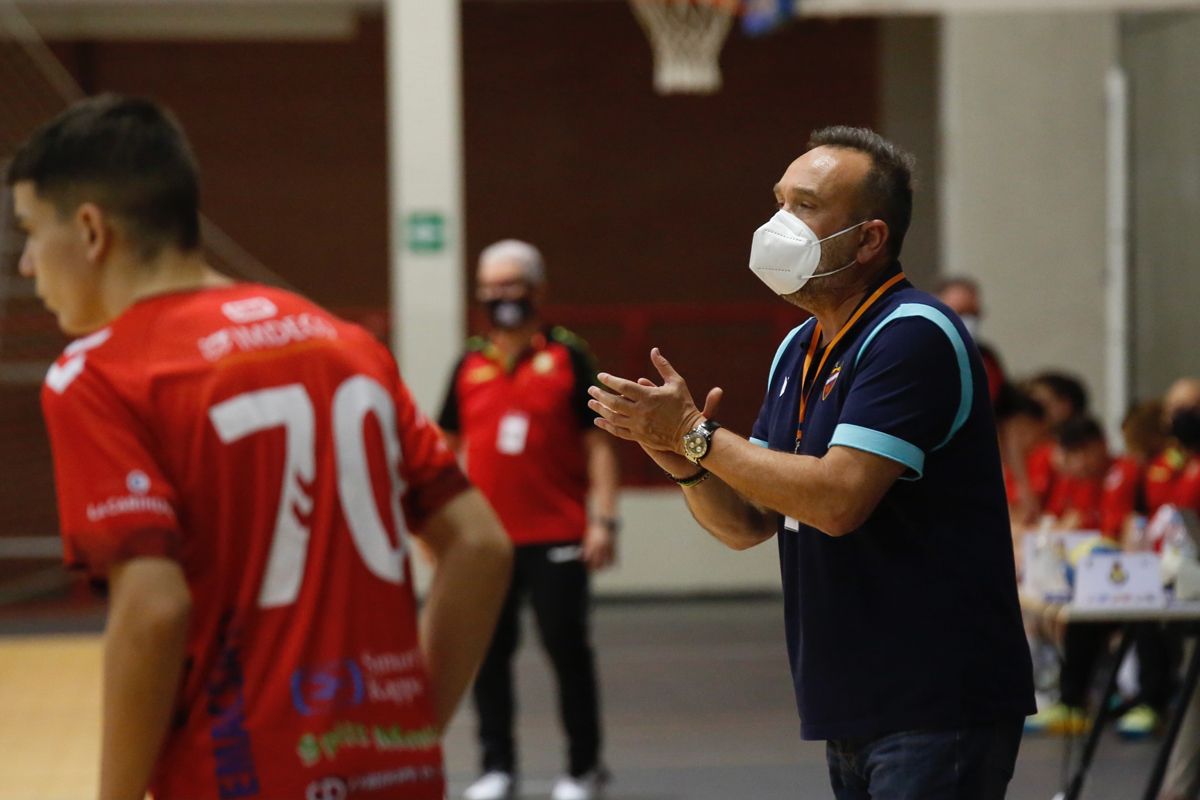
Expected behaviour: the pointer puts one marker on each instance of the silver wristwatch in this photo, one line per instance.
(697, 441)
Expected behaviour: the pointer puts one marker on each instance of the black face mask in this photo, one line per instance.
(1185, 427)
(509, 314)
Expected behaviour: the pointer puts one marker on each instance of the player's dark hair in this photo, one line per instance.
(1011, 403)
(1064, 387)
(1078, 432)
(886, 193)
(127, 155)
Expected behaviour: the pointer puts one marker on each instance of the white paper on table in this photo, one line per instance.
(1119, 580)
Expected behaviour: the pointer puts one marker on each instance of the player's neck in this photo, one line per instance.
(511, 342)
(128, 282)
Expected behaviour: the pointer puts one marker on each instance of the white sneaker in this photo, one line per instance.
(492, 786)
(585, 787)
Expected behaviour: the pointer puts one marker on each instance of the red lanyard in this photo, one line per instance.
(812, 349)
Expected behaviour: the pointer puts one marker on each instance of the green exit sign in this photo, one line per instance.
(426, 232)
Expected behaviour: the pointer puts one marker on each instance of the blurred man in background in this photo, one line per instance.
(219, 453)
(963, 296)
(1165, 469)
(517, 407)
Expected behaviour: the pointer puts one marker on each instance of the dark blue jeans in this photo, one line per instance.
(973, 763)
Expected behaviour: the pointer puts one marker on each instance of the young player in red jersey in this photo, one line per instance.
(244, 469)
(1095, 490)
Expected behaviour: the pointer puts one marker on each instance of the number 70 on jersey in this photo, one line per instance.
(290, 407)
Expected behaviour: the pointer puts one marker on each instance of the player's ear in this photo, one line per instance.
(95, 229)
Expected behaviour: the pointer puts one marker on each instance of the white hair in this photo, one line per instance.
(522, 253)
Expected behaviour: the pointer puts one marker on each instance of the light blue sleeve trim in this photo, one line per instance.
(967, 390)
(759, 442)
(783, 346)
(881, 444)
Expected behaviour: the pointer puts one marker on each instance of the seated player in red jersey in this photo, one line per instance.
(1021, 424)
(1063, 397)
(1095, 490)
(1165, 468)
(1185, 429)
(245, 469)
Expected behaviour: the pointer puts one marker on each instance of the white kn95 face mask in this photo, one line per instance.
(785, 252)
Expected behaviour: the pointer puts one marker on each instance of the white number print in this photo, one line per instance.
(354, 399)
(291, 407)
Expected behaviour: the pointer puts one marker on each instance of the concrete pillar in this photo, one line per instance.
(426, 196)
(909, 116)
(1162, 55)
(1024, 182)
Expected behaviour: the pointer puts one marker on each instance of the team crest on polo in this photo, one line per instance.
(831, 380)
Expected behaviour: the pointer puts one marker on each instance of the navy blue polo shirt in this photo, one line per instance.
(912, 620)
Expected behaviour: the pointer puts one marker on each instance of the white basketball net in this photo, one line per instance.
(686, 36)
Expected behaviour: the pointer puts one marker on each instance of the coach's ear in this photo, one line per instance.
(95, 231)
(874, 242)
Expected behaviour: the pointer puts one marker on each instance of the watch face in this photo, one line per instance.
(695, 445)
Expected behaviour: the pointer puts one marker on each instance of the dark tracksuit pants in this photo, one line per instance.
(556, 581)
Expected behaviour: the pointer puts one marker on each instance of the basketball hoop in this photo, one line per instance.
(687, 36)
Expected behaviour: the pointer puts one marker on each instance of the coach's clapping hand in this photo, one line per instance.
(656, 417)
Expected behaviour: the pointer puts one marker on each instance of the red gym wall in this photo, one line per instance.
(643, 206)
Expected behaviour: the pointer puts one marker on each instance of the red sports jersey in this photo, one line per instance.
(1161, 475)
(274, 451)
(1080, 497)
(1043, 474)
(1187, 485)
(522, 431)
(1119, 499)
(1099, 504)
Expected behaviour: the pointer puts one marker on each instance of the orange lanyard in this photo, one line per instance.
(812, 349)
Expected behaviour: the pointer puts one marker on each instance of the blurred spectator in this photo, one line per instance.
(1185, 430)
(1021, 423)
(963, 297)
(1143, 431)
(1165, 469)
(1063, 396)
(1095, 491)
(1182, 780)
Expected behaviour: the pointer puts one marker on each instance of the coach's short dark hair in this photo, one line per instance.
(886, 193)
(126, 154)
(1079, 432)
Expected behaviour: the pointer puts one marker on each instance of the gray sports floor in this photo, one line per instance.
(698, 706)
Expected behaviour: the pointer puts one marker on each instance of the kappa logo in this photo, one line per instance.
(831, 380)
(137, 482)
